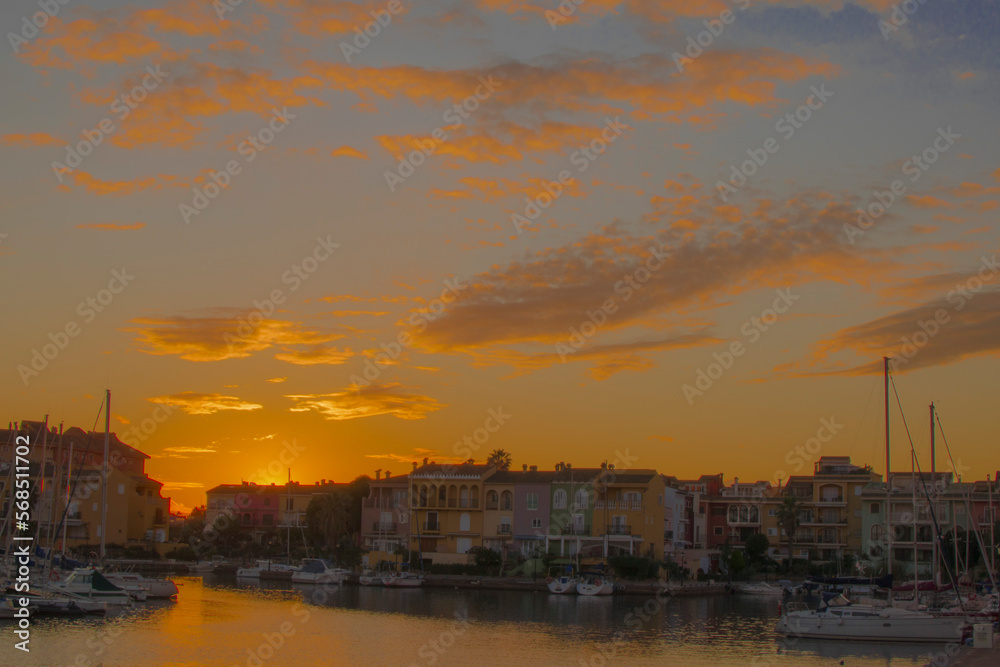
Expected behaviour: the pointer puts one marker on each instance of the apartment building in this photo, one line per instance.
(260, 509)
(446, 510)
(385, 518)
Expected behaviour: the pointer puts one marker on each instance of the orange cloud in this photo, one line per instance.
(225, 333)
(927, 201)
(112, 226)
(370, 401)
(315, 355)
(96, 186)
(205, 404)
(348, 151)
(32, 139)
(319, 18)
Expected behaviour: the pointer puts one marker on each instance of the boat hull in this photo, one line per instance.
(917, 629)
(563, 586)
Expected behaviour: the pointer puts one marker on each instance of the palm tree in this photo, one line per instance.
(500, 459)
(788, 519)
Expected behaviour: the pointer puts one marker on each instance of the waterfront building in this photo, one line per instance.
(66, 470)
(446, 510)
(262, 509)
(629, 510)
(675, 518)
(385, 519)
(830, 510)
(919, 501)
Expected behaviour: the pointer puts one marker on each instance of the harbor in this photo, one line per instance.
(216, 620)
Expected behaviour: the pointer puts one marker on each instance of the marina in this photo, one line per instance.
(217, 620)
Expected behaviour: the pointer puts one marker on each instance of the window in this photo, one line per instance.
(536, 523)
(532, 501)
(267, 502)
(718, 530)
(121, 489)
(289, 504)
(857, 490)
(873, 508)
(506, 500)
(772, 512)
(268, 519)
(877, 533)
(464, 521)
(581, 500)
(857, 513)
(772, 532)
(559, 499)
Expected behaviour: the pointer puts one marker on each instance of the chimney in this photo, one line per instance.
(387, 473)
(425, 460)
(378, 474)
(414, 465)
(604, 465)
(524, 467)
(323, 482)
(533, 468)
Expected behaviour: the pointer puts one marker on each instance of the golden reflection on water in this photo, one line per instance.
(218, 623)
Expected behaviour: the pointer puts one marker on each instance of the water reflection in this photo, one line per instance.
(220, 621)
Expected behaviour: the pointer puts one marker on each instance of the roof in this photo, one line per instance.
(276, 489)
(523, 477)
(432, 470)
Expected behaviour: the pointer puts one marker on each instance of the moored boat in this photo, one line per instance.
(402, 580)
(89, 583)
(318, 571)
(155, 588)
(595, 585)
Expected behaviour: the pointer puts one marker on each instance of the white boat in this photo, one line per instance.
(402, 580)
(91, 584)
(595, 585)
(318, 571)
(840, 619)
(371, 578)
(562, 585)
(59, 603)
(263, 569)
(761, 588)
(155, 588)
(202, 567)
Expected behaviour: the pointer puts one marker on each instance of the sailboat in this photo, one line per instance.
(838, 618)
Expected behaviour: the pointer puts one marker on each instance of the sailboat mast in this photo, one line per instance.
(104, 487)
(888, 489)
(934, 492)
(913, 504)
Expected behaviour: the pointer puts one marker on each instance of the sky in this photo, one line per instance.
(340, 236)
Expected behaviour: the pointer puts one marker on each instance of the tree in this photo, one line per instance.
(499, 458)
(757, 546)
(788, 519)
(737, 563)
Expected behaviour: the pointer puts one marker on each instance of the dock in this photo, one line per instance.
(978, 657)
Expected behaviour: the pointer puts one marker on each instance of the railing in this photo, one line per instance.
(832, 499)
(506, 506)
(434, 527)
(492, 505)
(619, 529)
(576, 530)
(504, 529)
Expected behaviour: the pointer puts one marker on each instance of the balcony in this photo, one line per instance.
(492, 505)
(504, 529)
(432, 527)
(576, 530)
(384, 527)
(618, 529)
(831, 500)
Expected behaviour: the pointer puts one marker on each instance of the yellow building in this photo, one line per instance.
(446, 510)
(629, 512)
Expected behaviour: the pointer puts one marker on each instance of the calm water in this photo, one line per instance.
(217, 622)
